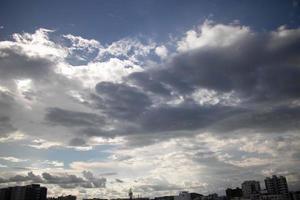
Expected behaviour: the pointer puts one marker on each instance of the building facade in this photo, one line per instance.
(250, 188)
(276, 185)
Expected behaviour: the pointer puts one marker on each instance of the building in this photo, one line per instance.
(69, 197)
(277, 185)
(234, 193)
(35, 192)
(18, 193)
(184, 195)
(164, 198)
(95, 199)
(250, 188)
(213, 197)
(295, 195)
(29, 192)
(5, 193)
(273, 197)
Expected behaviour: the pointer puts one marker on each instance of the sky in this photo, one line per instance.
(97, 97)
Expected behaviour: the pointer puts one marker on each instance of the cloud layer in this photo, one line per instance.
(217, 105)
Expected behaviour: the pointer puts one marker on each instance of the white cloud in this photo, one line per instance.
(129, 49)
(79, 43)
(13, 159)
(161, 51)
(211, 97)
(112, 70)
(212, 35)
(52, 163)
(37, 44)
(43, 144)
(15, 136)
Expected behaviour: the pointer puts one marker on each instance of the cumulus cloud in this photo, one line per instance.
(161, 51)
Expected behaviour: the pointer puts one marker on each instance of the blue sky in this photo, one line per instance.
(108, 21)
(97, 97)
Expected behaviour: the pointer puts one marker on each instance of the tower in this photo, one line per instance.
(130, 194)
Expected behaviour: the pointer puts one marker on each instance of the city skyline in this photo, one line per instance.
(100, 96)
(276, 188)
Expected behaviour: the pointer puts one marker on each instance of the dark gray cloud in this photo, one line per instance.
(148, 83)
(269, 120)
(70, 118)
(186, 116)
(6, 126)
(71, 181)
(119, 180)
(23, 66)
(77, 142)
(249, 67)
(7, 103)
(261, 71)
(62, 180)
(121, 101)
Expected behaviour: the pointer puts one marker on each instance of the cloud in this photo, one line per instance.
(120, 100)
(161, 51)
(6, 126)
(13, 159)
(212, 35)
(43, 144)
(29, 55)
(70, 181)
(258, 69)
(64, 117)
(62, 180)
(222, 102)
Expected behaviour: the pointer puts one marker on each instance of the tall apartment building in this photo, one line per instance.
(277, 186)
(250, 188)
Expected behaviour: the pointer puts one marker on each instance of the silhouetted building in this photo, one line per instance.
(95, 199)
(273, 197)
(233, 193)
(276, 185)
(184, 195)
(69, 197)
(18, 193)
(212, 197)
(35, 192)
(250, 188)
(5, 193)
(29, 192)
(164, 198)
(295, 195)
(139, 198)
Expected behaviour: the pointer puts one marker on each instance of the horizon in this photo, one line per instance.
(139, 196)
(98, 96)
